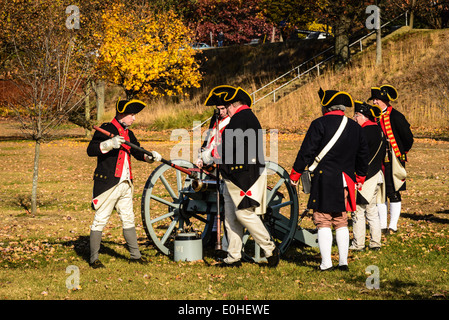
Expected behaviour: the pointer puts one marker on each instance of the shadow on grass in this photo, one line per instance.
(427, 217)
(395, 289)
(302, 255)
(81, 247)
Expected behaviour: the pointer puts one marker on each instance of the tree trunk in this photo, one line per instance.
(412, 14)
(342, 53)
(99, 93)
(87, 109)
(37, 149)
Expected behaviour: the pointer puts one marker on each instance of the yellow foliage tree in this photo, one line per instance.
(146, 53)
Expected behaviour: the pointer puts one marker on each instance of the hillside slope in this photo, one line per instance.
(415, 62)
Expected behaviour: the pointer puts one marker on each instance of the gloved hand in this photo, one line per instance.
(113, 143)
(155, 157)
(207, 157)
(199, 163)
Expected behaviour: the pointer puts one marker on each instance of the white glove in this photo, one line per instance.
(199, 163)
(113, 143)
(156, 156)
(207, 157)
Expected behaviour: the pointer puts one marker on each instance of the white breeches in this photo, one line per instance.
(236, 221)
(122, 200)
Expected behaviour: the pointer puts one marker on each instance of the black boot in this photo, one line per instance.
(274, 259)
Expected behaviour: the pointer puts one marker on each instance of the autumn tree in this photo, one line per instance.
(432, 13)
(48, 66)
(147, 54)
(292, 14)
(344, 16)
(239, 20)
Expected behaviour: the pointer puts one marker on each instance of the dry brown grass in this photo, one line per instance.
(36, 250)
(412, 62)
(415, 62)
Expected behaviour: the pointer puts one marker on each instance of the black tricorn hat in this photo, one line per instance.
(331, 98)
(384, 93)
(129, 106)
(368, 110)
(224, 95)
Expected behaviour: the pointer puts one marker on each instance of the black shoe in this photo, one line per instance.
(375, 249)
(343, 267)
(324, 270)
(96, 264)
(384, 231)
(273, 260)
(357, 250)
(236, 264)
(391, 231)
(141, 260)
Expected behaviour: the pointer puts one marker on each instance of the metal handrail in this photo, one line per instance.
(273, 92)
(296, 69)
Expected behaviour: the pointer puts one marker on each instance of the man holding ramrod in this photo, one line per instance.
(113, 186)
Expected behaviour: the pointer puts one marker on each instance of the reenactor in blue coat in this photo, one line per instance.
(242, 167)
(336, 175)
(373, 189)
(113, 186)
(400, 140)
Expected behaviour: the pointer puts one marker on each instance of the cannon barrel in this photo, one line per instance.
(204, 185)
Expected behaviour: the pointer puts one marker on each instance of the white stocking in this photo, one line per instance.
(395, 212)
(342, 236)
(325, 245)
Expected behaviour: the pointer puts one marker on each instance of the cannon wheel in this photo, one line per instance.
(162, 209)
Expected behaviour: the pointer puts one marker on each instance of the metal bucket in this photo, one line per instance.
(188, 247)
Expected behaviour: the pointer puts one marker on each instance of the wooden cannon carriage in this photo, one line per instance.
(174, 200)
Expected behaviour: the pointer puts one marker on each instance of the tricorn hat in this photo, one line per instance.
(331, 98)
(224, 95)
(368, 110)
(384, 93)
(129, 106)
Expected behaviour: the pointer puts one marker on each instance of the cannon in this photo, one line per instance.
(179, 196)
(186, 199)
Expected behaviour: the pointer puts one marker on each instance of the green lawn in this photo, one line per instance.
(35, 251)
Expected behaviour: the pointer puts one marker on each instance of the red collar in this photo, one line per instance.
(368, 123)
(244, 107)
(335, 113)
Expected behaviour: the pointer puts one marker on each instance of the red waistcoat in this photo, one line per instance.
(124, 149)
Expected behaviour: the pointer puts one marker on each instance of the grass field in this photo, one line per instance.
(35, 251)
